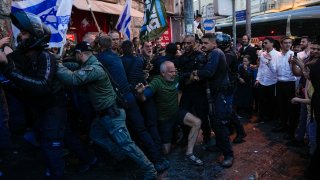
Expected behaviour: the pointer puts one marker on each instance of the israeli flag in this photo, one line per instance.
(54, 13)
(124, 21)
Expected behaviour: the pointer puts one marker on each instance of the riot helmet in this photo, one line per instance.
(223, 40)
(40, 33)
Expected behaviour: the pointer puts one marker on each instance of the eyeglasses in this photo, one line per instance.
(265, 43)
(286, 42)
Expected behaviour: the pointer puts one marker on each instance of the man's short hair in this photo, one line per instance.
(164, 65)
(249, 38)
(113, 31)
(171, 49)
(189, 36)
(285, 38)
(270, 39)
(198, 16)
(209, 36)
(307, 38)
(105, 41)
(247, 57)
(127, 47)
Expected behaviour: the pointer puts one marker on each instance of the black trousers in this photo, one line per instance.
(267, 102)
(286, 111)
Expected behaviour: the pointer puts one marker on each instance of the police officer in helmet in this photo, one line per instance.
(32, 70)
(224, 43)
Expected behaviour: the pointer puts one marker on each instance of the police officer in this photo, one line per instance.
(216, 73)
(109, 130)
(193, 92)
(224, 41)
(32, 70)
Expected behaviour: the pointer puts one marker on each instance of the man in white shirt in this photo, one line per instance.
(266, 80)
(285, 88)
(305, 46)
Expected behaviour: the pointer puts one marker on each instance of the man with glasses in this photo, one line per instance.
(266, 80)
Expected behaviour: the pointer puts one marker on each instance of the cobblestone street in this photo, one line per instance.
(264, 155)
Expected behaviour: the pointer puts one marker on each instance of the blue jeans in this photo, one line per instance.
(301, 128)
(51, 125)
(112, 134)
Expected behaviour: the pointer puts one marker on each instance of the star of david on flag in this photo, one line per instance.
(54, 13)
(124, 21)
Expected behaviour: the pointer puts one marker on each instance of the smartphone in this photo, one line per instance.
(295, 54)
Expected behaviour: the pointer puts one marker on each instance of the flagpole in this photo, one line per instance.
(94, 17)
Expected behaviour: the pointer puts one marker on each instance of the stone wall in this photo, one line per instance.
(5, 22)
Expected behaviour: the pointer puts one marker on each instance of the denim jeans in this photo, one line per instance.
(301, 128)
(116, 139)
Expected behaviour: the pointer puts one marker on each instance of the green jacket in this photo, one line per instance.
(92, 76)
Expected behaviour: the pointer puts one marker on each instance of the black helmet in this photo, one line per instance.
(223, 40)
(25, 21)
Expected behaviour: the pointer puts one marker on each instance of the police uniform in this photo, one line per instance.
(109, 129)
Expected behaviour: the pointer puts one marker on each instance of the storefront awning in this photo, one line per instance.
(104, 7)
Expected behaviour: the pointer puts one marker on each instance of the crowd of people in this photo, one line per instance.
(132, 98)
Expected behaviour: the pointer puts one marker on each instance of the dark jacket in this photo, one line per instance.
(186, 64)
(33, 76)
(216, 69)
(134, 69)
(251, 51)
(113, 64)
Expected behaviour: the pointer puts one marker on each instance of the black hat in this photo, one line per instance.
(82, 47)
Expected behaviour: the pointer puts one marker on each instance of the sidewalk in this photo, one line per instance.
(264, 155)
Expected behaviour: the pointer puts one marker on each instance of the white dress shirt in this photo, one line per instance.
(303, 55)
(284, 71)
(267, 74)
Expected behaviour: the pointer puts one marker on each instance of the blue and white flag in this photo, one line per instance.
(54, 13)
(124, 21)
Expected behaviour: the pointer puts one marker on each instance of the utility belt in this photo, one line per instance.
(112, 111)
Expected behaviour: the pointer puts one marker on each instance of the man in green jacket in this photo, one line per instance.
(109, 129)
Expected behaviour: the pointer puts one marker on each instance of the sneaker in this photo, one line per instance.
(85, 167)
(161, 165)
(227, 162)
(195, 160)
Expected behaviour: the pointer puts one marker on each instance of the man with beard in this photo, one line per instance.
(147, 57)
(247, 49)
(305, 47)
(215, 72)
